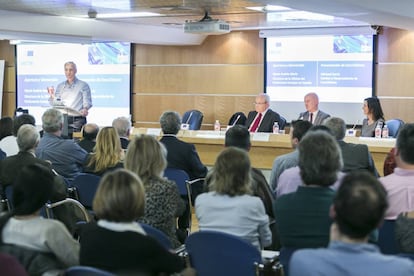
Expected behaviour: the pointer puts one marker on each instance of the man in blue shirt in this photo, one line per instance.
(73, 96)
(66, 156)
(357, 210)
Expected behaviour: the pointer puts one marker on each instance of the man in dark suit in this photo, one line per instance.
(354, 156)
(263, 118)
(181, 155)
(27, 139)
(312, 113)
(89, 133)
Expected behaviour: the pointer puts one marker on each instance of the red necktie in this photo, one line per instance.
(311, 118)
(256, 123)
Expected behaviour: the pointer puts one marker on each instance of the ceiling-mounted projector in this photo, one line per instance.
(207, 26)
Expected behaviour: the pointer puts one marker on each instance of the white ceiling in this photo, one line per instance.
(64, 20)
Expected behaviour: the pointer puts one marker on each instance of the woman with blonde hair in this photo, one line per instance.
(107, 155)
(118, 243)
(229, 206)
(146, 157)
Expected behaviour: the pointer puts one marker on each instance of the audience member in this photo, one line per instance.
(89, 133)
(302, 216)
(239, 136)
(6, 135)
(399, 184)
(312, 113)
(24, 227)
(66, 156)
(290, 179)
(358, 209)
(6, 127)
(118, 243)
(372, 109)
(389, 162)
(9, 143)
(28, 138)
(297, 130)
(404, 234)
(146, 157)
(181, 155)
(229, 206)
(262, 118)
(354, 156)
(108, 153)
(123, 127)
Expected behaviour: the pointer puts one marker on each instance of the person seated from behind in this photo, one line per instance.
(312, 113)
(9, 143)
(181, 155)
(7, 140)
(89, 133)
(354, 156)
(358, 208)
(290, 179)
(302, 216)
(239, 136)
(283, 162)
(146, 157)
(262, 118)
(229, 206)
(117, 243)
(123, 127)
(28, 138)
(66, 156)
(399, 184)
(24, 227)
(108, 154)
(372, 109)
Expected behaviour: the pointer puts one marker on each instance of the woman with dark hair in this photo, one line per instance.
(25, 228)
(6, 127)
(372, 109)
(118, 243)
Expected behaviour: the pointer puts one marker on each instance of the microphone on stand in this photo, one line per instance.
(189, 117)
(235, 121)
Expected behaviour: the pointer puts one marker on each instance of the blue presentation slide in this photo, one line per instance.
(104, 66)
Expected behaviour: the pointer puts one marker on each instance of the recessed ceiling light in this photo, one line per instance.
(127, 14)
(269, 8)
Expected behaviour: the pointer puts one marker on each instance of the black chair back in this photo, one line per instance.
(237, 118)
(193, 118)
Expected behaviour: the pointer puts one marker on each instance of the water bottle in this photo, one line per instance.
(276, 128)
(378, 131)
(385, 132)
(217, 125)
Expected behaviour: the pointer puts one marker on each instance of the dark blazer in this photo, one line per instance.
(267, 122)
(320, 117)
(87, 145)
(357, 157)
(182, 155)
(11, 167)
(124, 143)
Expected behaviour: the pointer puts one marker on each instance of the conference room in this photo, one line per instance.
(219, 75)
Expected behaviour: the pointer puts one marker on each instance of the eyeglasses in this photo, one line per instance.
(258, 103)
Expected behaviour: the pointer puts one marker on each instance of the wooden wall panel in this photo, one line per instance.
(232, 79)
(395, 80)
(395, 45)
(148, 108)
(7, 53)
(398, 108)
(236, 47)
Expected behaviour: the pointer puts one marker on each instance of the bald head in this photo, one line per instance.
(311, 102)
(90, 131)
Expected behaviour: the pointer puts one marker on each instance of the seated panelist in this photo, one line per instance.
(312, 113)
(262, 118)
